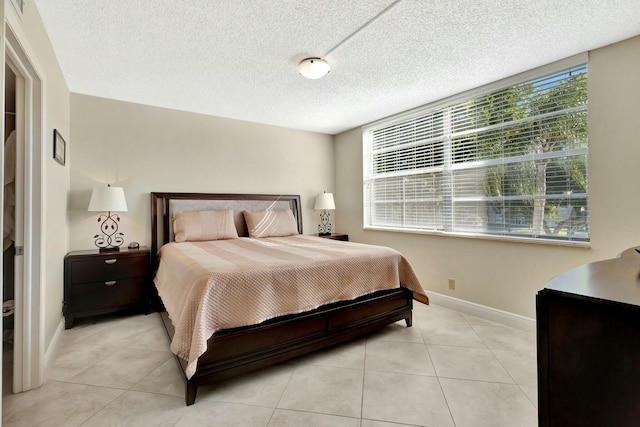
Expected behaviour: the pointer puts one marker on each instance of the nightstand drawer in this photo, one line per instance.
(111, 293)
(112, 268)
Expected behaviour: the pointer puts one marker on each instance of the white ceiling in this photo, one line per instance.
(238, 58)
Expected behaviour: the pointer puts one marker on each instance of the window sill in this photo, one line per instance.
(509, 239)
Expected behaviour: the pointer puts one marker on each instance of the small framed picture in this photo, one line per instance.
(59, 148)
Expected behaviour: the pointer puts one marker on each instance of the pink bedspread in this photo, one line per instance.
(215, 285)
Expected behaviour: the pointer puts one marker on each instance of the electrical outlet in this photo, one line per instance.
(452, 284)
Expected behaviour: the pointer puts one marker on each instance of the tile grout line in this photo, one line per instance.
(277, 405)
(441, 389)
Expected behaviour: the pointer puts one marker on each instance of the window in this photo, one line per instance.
(510, 162)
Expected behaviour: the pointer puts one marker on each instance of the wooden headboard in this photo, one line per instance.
(164, 204)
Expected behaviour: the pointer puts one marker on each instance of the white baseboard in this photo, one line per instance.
(51, 351)
(489, 313)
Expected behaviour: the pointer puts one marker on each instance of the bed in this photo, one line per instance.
(293, 284)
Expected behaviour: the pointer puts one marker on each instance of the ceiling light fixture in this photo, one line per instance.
(314, 68)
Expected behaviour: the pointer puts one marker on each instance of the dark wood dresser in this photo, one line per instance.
(588, 325)
(105, 282)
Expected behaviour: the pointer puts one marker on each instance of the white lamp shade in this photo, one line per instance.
(324, 201)
(108, 199)
(314, 68)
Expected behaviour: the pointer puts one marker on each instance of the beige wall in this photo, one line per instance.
(508, 275)
(144, 149)
(55, 178)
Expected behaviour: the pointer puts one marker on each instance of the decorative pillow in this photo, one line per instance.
(195, 226)
(270, 223)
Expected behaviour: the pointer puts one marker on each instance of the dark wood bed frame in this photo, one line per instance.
(236, 351)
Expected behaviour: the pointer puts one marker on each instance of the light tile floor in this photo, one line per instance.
(449, 369)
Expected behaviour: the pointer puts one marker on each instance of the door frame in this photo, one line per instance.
(29, 346)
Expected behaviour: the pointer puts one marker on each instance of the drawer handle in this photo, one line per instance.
(110, 283)
(110, 261)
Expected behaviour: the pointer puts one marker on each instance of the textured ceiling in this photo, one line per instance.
(238, 58)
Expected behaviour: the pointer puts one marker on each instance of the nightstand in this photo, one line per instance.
(105, 282)
(335, 236)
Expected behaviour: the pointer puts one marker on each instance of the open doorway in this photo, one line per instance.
(8, 229)
(28, 335)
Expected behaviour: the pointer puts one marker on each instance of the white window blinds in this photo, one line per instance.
(509, 162)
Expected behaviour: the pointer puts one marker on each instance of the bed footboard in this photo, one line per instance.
(236, 351)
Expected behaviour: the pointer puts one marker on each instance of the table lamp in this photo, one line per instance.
(324, 203)
(109, 199)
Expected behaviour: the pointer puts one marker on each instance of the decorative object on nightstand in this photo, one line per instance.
(110, 199)
(324, 203)
(105, 282)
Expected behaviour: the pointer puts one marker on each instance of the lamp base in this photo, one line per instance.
(109, 239)
(324, 229)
